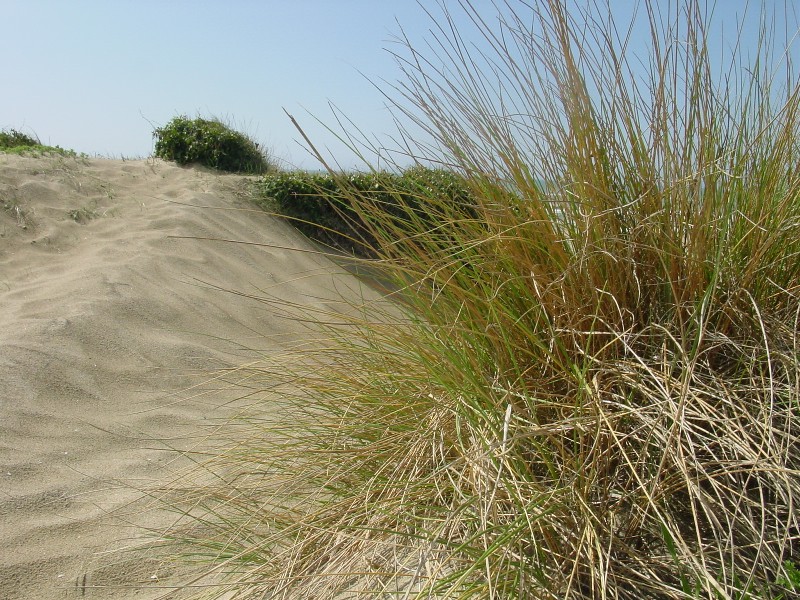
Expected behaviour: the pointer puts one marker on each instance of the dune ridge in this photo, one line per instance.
(111, 307)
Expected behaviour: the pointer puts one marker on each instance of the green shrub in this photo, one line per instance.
(318, 203)
(16, 142)
(211, 143)
(12, 138)
(309, 200)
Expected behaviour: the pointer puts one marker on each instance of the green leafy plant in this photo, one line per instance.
(211, 143)
(318, 203)
(790, 579)
(16, 142)
(15, 139)
(590, 388)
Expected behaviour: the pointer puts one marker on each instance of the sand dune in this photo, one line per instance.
(108, 309)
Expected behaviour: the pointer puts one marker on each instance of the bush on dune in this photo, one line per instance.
(211, 143)
(12, 138)
(592, 390)
(318, 203)
(13, 141)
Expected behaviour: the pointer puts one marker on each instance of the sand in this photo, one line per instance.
(109, 310)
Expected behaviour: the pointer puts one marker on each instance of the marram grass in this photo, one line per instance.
(587, 385)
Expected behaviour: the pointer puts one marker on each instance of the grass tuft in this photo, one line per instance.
(588, 386)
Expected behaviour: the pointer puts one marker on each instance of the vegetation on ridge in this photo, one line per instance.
(211, 143)
(317, 203)
(16, 142)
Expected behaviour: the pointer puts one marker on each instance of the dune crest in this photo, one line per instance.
(109, 307)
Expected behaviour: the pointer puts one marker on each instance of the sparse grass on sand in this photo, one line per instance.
(589, 385)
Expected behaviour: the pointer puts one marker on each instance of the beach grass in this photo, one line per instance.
(586, 384)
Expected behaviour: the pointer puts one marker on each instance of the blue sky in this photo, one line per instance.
(96, 75)
(90, 74)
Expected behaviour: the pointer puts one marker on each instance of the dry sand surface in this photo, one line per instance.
(109, 308)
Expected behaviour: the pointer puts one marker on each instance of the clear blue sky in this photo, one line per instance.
(93, 75)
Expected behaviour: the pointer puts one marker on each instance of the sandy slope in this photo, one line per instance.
(105, 316)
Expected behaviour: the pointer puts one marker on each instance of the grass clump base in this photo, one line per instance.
(589, 384)
(211, 143)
